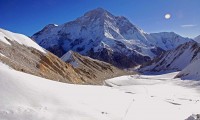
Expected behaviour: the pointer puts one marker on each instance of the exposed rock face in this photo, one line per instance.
(176, 59)
(32, 61)
(19, 54)
(118, 59)
(22, 54)
(103, 36)
(93, 71)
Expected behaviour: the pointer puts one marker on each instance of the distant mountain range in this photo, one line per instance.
(103, 36)
(184, 58)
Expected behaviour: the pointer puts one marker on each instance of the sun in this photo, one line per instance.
(167, 16)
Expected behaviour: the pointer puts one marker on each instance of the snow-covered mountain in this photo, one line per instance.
(197, 39)
(176, 59)
(167, 40)
(192, 71)
(92, 70)
(103, 36)
(23, 54)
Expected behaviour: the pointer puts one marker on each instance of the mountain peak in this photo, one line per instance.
(100, 9)
(98, 12)
(50, 26)
(103, 36)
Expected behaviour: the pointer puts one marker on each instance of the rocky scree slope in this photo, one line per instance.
(23, 54)
(93, 70)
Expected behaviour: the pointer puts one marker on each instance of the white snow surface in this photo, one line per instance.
(192, 71)
(19, 38)
(159, 97)
(139, 97)
(27, 97)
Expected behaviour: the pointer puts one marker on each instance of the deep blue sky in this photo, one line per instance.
(30, 16)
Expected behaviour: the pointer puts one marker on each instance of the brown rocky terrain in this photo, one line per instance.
(93, 71)
(44, 64)
(32, 61)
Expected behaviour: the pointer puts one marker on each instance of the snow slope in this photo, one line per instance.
(197, 39)
(166, 40)
(139, 97)
(192, 71)
(159, 97)
(5, 36)
(27, 97)
(176, 59)
(101, 35)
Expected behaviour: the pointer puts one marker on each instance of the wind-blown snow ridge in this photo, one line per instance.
(5, 36)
